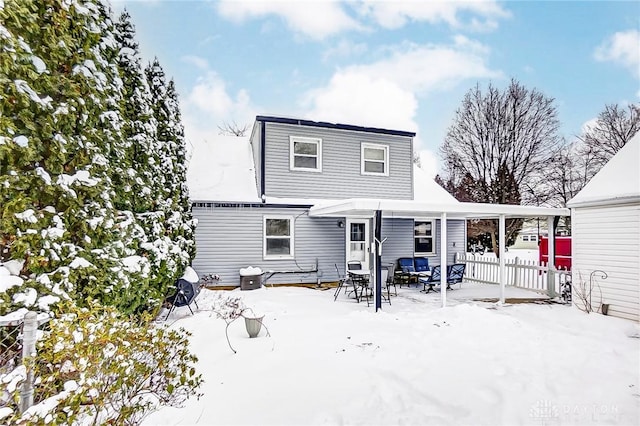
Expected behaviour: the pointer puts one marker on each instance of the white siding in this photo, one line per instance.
(607, 238)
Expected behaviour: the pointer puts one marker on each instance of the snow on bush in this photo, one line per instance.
(97, 366)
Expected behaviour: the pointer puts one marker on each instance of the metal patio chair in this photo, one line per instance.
(185, 294)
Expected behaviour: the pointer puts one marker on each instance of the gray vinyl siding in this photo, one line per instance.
(399, 234)
(230, 238)
(607, 238)
(341, 174)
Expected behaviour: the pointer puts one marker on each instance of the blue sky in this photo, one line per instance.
(400, 65)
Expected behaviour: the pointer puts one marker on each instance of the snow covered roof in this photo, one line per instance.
(414, 208)
(425, 188)
(617, 182)
(222, 169)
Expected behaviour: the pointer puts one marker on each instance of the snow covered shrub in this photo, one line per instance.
(93, 199)
(97, 366)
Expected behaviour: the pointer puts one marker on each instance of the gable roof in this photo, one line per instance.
(327, 125)
(222, 169)
(617, 182)
(425, 188)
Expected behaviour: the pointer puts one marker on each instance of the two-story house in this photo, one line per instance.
(253, 196)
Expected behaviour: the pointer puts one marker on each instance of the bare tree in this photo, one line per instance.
(576, 163)
(500, 140)
(233, 129)
(614, 127)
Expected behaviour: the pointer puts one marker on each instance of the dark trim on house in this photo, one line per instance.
(232, 204)
(298, 122)
(263, 144)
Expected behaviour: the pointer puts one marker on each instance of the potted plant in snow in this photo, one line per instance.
(231, 308)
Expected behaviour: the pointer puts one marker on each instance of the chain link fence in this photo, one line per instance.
(18, 335)
(10, 345)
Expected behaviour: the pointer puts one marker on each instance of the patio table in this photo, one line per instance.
(360, 278)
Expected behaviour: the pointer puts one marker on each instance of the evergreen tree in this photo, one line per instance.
(137, 169)
(56, 214)
(180, 225)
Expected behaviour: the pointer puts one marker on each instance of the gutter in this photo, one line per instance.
(595, 202)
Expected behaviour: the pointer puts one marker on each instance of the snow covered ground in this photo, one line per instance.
(413, 363)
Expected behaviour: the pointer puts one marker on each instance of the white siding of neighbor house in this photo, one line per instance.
(341, 174)
(607, 238)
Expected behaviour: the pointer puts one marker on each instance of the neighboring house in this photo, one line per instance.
(605, 220)
(528, 238)
(252, 198)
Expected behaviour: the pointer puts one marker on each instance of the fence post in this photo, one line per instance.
(551, 280)
(516, 271)
(29, 329)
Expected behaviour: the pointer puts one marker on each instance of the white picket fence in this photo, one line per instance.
(522, 273)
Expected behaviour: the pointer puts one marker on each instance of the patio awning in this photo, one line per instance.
(379, 208)
(420, 209)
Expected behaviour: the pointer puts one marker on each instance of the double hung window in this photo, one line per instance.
(375, 159)
(305, 154)
(423, 236)
(278, 237)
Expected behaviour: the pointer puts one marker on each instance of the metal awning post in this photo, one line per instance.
(551, 274)
(502, 241)
(443, 259)
(378, 259)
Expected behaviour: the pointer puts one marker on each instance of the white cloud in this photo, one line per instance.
(317, 19)
(429, 67)
(386, 93)
(345, 49)
(320, 19)
(429, 162)
(621, 48)
(589, 125)
(392, 15)
(197, 61)
(210, 104)
(357, 98)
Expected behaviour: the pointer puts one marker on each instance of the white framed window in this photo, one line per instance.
(534, 238)
(278, 237)
(525, 238)
(305, 154)
(375, 159)
(424, 235)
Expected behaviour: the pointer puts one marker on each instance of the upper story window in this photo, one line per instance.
(375, 159)
(278, 237)
(305, 154)
(423, 236)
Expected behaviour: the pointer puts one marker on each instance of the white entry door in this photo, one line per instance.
(358, 241)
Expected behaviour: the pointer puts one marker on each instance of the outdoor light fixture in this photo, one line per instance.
(340, 223)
